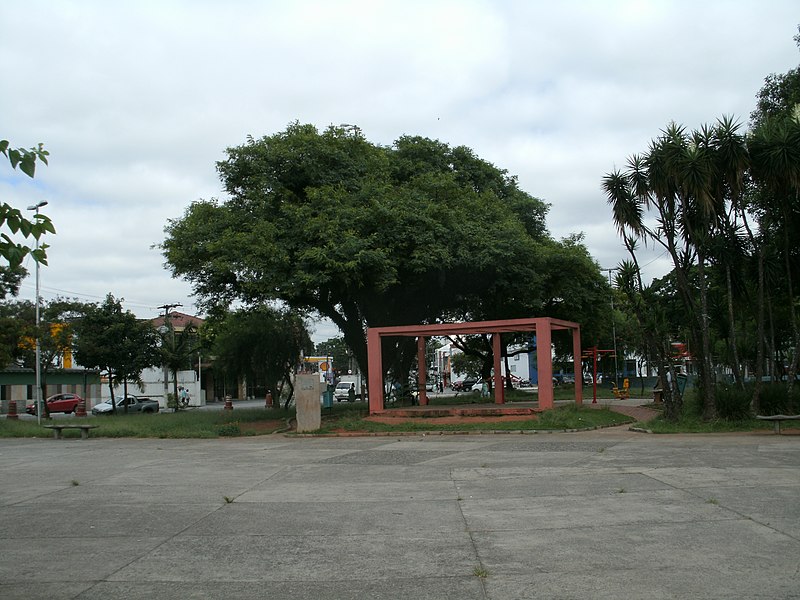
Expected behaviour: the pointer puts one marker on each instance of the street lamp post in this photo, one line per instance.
(613, 327)
(36, 207)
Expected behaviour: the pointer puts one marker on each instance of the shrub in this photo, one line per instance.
(774, 399)
(231, 429)
(733, 403)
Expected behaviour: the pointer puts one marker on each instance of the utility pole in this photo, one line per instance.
(167, 327)
(613, 328)
(39, 399)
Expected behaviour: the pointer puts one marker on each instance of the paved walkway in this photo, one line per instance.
(601, 514)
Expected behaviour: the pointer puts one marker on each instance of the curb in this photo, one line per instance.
(640, 430)
(446, 432)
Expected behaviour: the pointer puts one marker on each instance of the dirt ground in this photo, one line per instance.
(455, 419)
(259, 427)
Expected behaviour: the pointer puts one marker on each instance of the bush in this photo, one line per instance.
(733, 403)
(773, 399)
(231, 429)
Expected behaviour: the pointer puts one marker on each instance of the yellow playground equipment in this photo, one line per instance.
(623, 393)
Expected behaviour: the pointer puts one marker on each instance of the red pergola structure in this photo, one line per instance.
(543, 327)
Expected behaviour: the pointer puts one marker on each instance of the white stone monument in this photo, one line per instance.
(309, 412)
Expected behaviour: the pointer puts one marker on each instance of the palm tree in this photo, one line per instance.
(775, 151)
(177, 349)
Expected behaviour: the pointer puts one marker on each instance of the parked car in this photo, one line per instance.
(463, 386)
(58, 403)
(135, 404)
(429, 386)
(342, 391)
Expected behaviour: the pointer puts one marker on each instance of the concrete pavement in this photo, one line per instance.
(601, 514)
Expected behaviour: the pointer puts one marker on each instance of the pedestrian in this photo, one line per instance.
(351, 393)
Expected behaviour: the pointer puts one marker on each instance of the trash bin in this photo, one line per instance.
(681, 379)
(327, 397)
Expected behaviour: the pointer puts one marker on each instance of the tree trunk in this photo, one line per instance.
(737, 370)
(754, 402)
(709, 403)
(791, 299)
(111, 391)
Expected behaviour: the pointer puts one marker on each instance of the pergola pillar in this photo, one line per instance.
(542, 326)
(544, 365)
(375, 379)
(576, 363)
(499, 388)
(422, 372)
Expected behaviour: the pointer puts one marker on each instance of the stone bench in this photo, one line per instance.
(778, 419)
(57, 429)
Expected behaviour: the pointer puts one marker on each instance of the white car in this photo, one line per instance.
(342, 391)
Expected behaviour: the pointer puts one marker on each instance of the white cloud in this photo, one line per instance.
(137, 101)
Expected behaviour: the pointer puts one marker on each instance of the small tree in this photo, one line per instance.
(262, 341)
(176, 348)
(115, 342)
(55, 334)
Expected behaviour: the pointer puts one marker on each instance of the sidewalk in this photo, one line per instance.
(601, 514)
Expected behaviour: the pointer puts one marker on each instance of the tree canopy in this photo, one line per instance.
(365, 235)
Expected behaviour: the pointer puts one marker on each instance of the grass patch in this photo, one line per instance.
(185, 424)
(695, 424)
(480, 572)
(691, 421)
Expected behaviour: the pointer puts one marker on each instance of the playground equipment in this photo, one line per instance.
(623, 393)
(592, 354)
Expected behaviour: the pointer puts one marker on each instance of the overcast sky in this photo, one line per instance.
(136, 101)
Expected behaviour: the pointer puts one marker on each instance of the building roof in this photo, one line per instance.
(178, 320)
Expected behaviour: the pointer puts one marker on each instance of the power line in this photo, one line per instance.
(70, 293)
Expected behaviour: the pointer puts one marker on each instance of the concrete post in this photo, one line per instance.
(309, 412)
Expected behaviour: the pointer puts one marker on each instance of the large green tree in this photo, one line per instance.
(362, 234)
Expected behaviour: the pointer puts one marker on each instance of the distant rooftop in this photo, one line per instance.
(178, 320)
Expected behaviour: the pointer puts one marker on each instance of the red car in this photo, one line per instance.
(64, 403)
